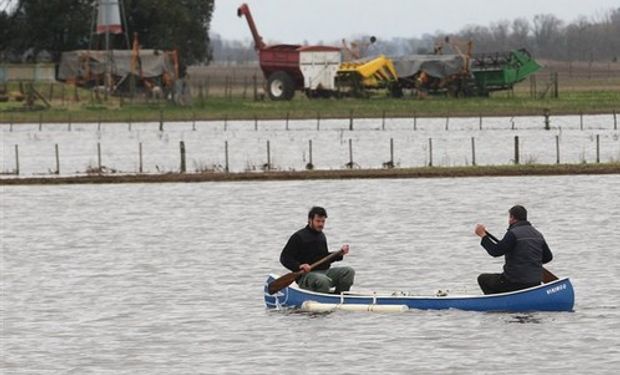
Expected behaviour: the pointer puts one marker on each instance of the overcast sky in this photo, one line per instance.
(294, 21)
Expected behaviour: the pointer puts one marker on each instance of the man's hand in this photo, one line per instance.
(480, 230)
(345, 249)
(305, 267)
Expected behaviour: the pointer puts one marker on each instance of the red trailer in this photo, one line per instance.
(280, 63)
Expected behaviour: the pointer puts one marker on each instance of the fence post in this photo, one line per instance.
(57, 159)
(99, 157)
(430, 152)
(140, 169)
(226, 156)
(310, 165)
(598, 148)
(16, 160)
(391, 152)
(516, 149)
(547, 120)
(182, 146)
(557, 149)
(254, 82)
(556, 93)
(383, 120)
(351, 120)
(473, 151)
(268, 156)
(161, 120)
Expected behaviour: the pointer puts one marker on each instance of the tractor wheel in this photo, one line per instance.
(280, 86)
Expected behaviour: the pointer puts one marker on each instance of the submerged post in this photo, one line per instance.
(57, 171)
(40, 121)
(99, 157)
(581, 120)
(516, 149)
(615, 121)
(140, 169)
(547, 120)
(161, 120)
(310, 165)
(415, 121)
(182, 146)
(430, 152)
(351, 120)
(480, 122)
(318, 121)
(255, 123)
(383, 120)
(391, 152)
(226, 156)
(350, 165)
(557, 149)
(473, 151)
(16, 160)
(287, 118)
(268, 156)
(598, 148)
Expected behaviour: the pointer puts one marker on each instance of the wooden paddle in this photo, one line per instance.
(547, 276)
(286, 280)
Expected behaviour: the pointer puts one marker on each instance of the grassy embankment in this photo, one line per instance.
(422, 172)
(89, 109)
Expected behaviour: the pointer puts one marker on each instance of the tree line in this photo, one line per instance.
(545, 35)
(64, 25)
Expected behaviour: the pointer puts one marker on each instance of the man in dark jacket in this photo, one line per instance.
(525, 251)
(309, 245)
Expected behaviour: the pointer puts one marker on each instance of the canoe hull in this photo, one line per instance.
(554, 296)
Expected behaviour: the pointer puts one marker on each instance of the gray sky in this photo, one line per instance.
(294, 21)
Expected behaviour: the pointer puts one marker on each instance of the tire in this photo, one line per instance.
(280, 86)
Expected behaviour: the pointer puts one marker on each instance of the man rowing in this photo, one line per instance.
(524, 249)
(308, 245)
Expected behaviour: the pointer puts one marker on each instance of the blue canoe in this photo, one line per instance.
(557, 295)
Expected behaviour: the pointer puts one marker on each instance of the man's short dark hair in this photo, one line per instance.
(518, 212)
(317, 211)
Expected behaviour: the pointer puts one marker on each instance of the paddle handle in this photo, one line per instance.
(547, 275)
(328, 258)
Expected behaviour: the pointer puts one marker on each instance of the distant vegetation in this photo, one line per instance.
(546, 36)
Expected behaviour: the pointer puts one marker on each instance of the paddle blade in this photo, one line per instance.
(548, 276)
(282, 282)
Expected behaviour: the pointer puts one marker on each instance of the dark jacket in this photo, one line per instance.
(525, 251)
(305, 246)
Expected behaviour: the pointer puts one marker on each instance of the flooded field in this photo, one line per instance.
(250, 146)
(167, 278)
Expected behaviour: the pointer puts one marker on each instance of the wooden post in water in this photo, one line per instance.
(310, 165)
(350, 165)
(615, 121)
(383, 120)
(69, 123)
(473, 151)
(16, 160)
(140, 169)
(99, 122)
(516, 149)
(318, 121)
(598, 148)
(391, 152)
(557, 149)
(581, 120)
(415, 121)
(447, 122)
(268, 156)
(193, 121)
(255, 123)
(40, 121)
(99, 157)
(547, 120)
(430, 152)
(182, 147)
(351, 120)
(57, 171)
(226, 156)
(287, 119)
(480, 121)
(161, 120)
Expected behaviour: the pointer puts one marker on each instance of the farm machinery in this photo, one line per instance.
(319, 71)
